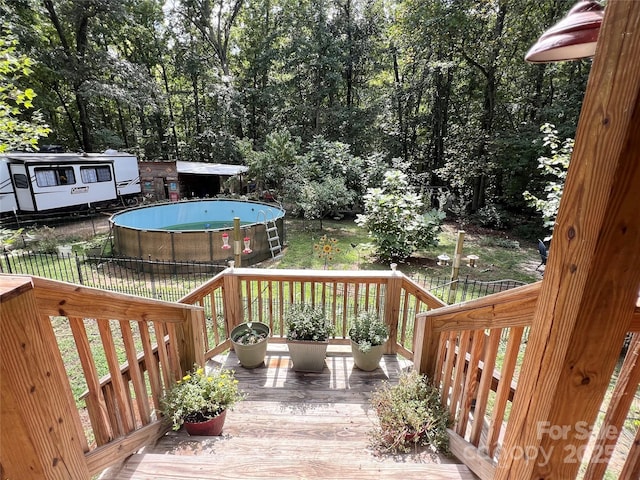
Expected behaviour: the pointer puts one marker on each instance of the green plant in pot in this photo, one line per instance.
(250, 343)
(410, 414)
(308, 332)
(200, 400)
(368, 335)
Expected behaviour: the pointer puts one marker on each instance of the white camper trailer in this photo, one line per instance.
(37, 182)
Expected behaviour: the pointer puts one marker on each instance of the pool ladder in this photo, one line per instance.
(273, 236)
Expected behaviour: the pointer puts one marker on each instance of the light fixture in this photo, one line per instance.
(572, 38)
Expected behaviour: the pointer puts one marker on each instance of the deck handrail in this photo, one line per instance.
(123, 411)
(457, 346)
(247, 294)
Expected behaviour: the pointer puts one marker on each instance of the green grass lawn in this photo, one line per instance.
(501, 256)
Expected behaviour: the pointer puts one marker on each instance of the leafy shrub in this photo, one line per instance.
(489, 216)
(410, 414)
(368, 331)
(47, 240)
(305, 322)
(200, 396)
(394, 218)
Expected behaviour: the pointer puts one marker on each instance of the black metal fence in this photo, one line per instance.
(172, 280)
(464, 288)
(146, 278)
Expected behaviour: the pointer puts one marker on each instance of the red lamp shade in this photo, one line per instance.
(572, 38)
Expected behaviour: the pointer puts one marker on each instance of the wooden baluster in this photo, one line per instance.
(484, 387)
(121, 395)
(151, 364)
(96, 406)
(471, 381)
(137, 380)
(504, 388)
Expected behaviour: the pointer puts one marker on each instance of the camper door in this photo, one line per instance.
(22, 186)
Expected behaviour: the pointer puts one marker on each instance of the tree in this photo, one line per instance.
(16, 130)
(394, 217)
(555, 168)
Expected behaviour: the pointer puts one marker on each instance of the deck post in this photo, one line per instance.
(191, 340)
(425, 348)
(39, 425)
(590, 286)
(392, 308)
(233, 312)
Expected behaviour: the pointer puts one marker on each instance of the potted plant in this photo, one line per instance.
(410, 414)
(250, 343)
(308, 332)
(368, 335)
(200, 401)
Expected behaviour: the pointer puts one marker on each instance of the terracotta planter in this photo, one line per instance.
(368, 361)
(307, 356)
(212, 428)
(251, 355)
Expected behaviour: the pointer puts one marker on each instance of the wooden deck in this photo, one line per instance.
(292, 425)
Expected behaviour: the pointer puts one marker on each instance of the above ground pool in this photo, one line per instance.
(196, 230)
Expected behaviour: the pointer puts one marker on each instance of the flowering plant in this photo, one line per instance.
(327, 248)
(368, 331)
(305, 322)
(200, 396)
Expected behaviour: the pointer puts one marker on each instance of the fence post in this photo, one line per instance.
(79, 270)
(39, 437)
(6, 259)
(153, 280)
(455, 269)
(191, 344)
(426, 344)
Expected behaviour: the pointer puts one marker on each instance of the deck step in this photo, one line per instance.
(255, 465)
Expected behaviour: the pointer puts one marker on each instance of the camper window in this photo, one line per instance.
(20, 180)
(95, 174)
(50, 177)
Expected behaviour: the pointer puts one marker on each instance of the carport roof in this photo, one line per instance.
(201, 168)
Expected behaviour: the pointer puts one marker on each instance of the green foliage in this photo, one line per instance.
(394, 217)
(320, 199)
(47, 239)
(15, 131)
(306, 322)
(9, 237)
(409, 414)
(555, 168)
(325, 181)
(367, 330)
(490, 216)
(200, 396)
(271, 166)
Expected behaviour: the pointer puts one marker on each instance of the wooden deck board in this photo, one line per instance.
(292, 425)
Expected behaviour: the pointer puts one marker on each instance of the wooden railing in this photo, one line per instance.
(158, 341)
(146, 345)
(473, 352)
(244, 294)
